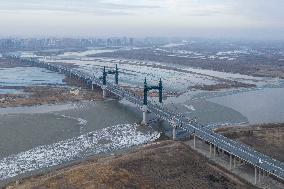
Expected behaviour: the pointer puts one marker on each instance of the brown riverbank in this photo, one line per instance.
(50, 94)
(11, 63)
(166, 164)
(40, 95)
(266, 138)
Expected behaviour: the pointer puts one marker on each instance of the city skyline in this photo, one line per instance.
(168, 18)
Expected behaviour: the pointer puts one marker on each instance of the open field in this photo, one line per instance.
(165, 164)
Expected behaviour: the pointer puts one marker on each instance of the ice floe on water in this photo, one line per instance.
(92, 143)
(80, 120)
(190, 107)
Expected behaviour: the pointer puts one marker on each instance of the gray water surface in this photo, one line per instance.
(34, 139)
(22, 128)
(260, 106)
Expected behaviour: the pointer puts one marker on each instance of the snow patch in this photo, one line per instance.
(80, 120)
(100, 141)
(190, 107)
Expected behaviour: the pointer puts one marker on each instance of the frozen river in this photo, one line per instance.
(40, 137)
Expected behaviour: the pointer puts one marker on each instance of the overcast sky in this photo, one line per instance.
(139, 18)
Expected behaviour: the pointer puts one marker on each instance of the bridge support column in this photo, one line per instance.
(255, 175)
(174, 132)
(214, 150)
(194, 141)
(104, 91)
(240, 162)
(235, 162)
(92, 85)
(230, 161)
(210, 149)
(144, 109)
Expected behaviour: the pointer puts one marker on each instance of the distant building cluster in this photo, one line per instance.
(8, 44)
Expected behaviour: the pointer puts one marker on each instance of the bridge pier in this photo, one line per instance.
(194, 141)
(104, 91)
(259, 175)
(230, 161)
(144, 109)
(239, 161)
(210, 149)
(214, 150)
(255, 175)
(174, 132)
(93, 85)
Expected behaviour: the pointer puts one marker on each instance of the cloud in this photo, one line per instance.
(210, 10)
(174, 17)
(258, 9)
(98, 7)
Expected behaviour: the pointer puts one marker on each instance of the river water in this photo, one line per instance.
(12, 79)
(40, 137)
(258, 106)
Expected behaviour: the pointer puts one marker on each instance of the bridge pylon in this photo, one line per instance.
(104, 78)
(147, 88)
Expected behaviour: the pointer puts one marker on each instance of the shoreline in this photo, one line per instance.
(72, 90)
(68, 164)
(159, 159)
(45, 95)
(77, 149)
(53, 172)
